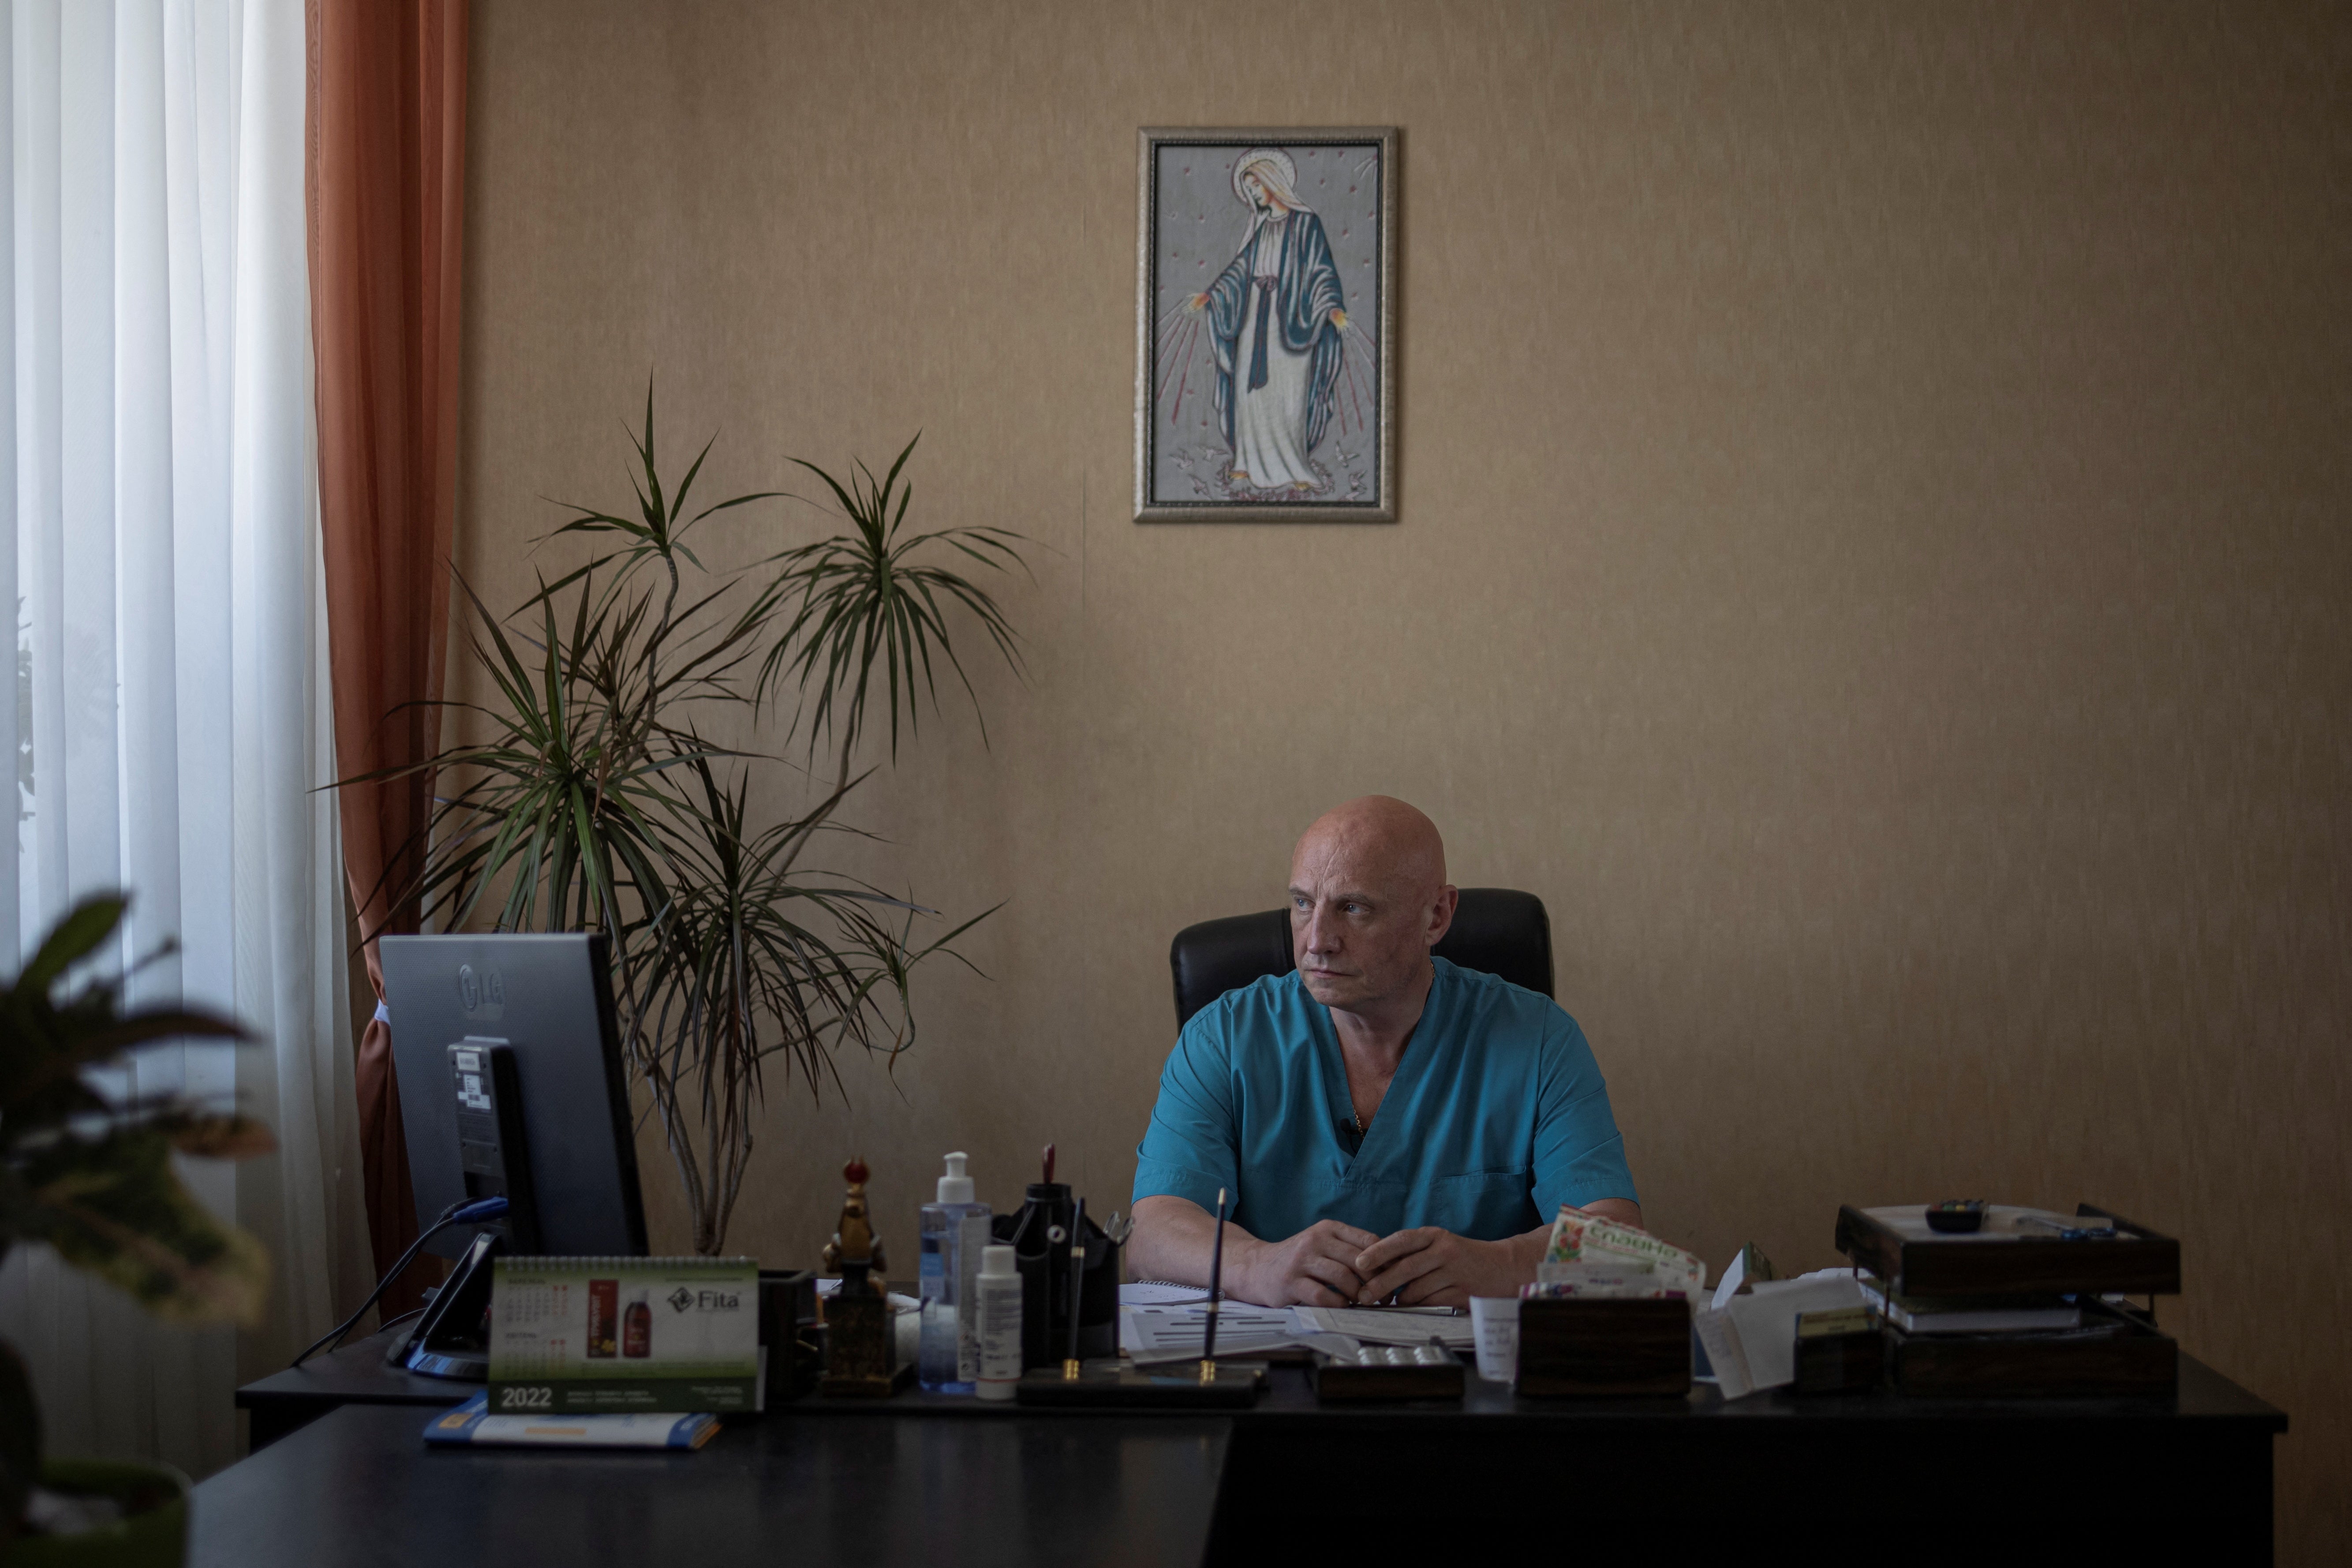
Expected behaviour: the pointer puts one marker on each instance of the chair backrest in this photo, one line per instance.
(1497, 930)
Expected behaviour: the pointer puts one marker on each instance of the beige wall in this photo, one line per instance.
(1872, 559)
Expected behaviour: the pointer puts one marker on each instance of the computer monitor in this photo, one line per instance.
(550, 1000)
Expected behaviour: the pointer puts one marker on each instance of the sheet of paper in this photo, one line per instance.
(1386, 1325)
(1930, 1316)
(1175, 1333)
(1159, 1293)
(1725, 1354)
(1764, 1324)
(1733, 1279)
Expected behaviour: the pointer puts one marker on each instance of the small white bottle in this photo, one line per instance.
(999, 1311)
(953, 1231)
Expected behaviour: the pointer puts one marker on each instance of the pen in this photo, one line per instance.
(1216, 1284)
(1070, 1365)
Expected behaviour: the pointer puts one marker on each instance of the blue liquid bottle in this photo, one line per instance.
(954, 1231)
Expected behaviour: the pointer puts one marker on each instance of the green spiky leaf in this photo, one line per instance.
(114, 1207)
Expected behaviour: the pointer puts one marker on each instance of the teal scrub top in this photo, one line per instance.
(1497, 1116)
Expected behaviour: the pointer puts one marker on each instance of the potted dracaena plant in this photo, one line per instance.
(590, 798)
(90, 1173)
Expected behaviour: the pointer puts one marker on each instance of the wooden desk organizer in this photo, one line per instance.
(1594, 1347)
(2136, 1261)
(2132, 1361)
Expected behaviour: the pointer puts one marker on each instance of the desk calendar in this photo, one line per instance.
(623, 1335)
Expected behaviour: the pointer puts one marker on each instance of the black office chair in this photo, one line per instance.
(1497, 930)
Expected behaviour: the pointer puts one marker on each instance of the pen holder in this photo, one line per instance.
(1039, 1236)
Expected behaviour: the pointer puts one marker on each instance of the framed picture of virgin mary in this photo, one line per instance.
(1264, 317)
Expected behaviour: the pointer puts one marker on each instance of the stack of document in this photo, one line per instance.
(1971, 1314)
(1388, 1325)
(1150, 1334)
(1164, 1324)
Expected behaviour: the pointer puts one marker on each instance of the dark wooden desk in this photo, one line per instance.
(356, 1375)
(358, 1487)
(930, 1480)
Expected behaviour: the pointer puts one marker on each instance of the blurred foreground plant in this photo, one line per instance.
(90, 1173)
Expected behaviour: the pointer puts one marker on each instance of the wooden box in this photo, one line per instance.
(2135, 1262)
(1387, 1373)
(792, 1333)
(2116, 1354)
(1835, 1355)
(1603, 1346)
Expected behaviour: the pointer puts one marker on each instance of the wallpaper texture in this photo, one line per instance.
(1873, 558)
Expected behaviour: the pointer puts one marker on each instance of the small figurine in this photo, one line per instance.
(862, 1349)
(854, 1252)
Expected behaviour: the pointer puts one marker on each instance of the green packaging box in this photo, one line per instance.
(619, 1335)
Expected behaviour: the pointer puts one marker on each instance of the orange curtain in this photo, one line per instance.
(386, 165)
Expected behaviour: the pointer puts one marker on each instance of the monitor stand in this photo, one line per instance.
(485, 1081)
(452, 1340)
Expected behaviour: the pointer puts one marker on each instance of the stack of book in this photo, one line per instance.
(2029, 1302)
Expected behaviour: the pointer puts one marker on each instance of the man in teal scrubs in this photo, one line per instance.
(1388, 1124)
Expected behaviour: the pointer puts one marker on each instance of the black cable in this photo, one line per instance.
(336, 1334)
(456, 1214)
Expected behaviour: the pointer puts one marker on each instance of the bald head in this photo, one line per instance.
(1368, 901)
(1379, 837)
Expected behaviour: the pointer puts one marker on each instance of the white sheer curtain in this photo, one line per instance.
(171, 720)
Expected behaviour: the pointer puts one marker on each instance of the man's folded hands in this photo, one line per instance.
(1331, 1264)
(1316, 1268)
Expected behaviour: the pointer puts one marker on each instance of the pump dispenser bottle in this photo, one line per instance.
(954, 1230)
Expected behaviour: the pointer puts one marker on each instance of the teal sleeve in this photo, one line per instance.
(1580, 1154)
(1188, 1149)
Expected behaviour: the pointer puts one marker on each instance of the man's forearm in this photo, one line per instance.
(1175, 1239)
(1526, 1251)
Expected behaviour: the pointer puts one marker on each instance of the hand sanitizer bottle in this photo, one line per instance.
(954, 1230)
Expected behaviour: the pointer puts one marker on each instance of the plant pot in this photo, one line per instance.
(154, 1536)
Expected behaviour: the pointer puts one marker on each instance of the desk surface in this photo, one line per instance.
(357, 1374)
(2205, 1397)
(359, 1486)
(938, 1481)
